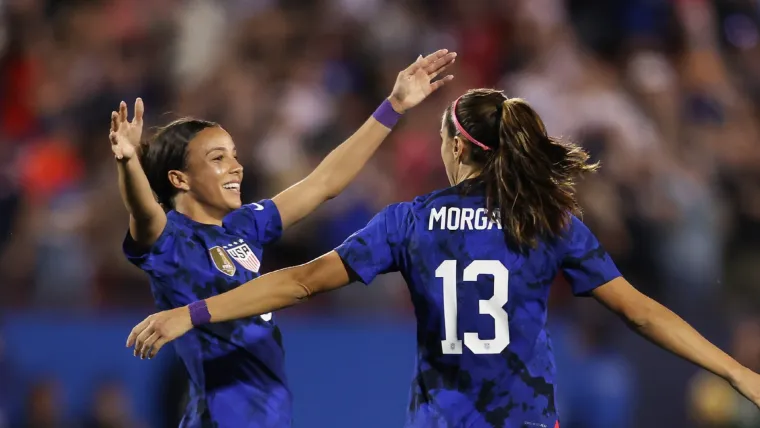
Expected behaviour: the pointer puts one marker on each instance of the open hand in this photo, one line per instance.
(416, 82)
(157, 330)
(125, 135)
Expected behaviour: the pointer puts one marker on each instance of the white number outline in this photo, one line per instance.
(493, 307)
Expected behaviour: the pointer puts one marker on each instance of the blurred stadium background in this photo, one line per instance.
(665, 92)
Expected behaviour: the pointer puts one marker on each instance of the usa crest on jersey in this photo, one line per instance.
(222, 261)
(242, 253)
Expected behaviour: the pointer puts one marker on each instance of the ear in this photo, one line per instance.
(459, 148)
(179, 180)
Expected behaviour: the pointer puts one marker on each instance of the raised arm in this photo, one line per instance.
(342, 165)
(146, 217)
(666, 329)
(267, 293)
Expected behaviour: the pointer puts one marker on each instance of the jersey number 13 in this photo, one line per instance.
(493, 306)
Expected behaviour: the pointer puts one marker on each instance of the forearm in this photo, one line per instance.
(268, 293)
(337, 170)
(343, 164)
(667, 330)
(147, 218)
(279, 289)
(135, 190)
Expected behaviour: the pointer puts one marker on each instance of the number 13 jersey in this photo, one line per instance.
(484, 357)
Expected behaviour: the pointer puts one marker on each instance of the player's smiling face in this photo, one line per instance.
(213, 172)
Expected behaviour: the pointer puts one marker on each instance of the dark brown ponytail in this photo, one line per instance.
(529, 176)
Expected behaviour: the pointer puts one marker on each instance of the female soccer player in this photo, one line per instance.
(198, 241)
(478, 258)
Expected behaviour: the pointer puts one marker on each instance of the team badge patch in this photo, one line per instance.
(222, 261)
(242, 253)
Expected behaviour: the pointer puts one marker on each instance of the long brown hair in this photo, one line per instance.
(529, 176)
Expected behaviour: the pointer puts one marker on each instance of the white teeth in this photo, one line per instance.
(232, 186)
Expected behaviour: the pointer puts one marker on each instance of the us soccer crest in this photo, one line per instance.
(222, 261)
(242, 253)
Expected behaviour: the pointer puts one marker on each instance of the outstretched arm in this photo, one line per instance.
(667, 330)
(362, 256)
(342, 165)
(267, 293)
(280, 289)
(146, 217)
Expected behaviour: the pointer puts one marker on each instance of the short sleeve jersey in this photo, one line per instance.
(236, 369)
(484, 356)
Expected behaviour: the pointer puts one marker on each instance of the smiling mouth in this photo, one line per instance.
(232, 187)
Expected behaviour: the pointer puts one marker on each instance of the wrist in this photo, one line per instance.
(127, 161)
(386, 114)
(396, 104)
(734, 373)
(199, 314)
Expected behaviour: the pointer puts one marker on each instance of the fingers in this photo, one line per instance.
(424, 62)
(438, 84)
(157, 346)
(147, 347)
(139, 328)
(139, 111)
(117, 151)
(416, 65)
(146, 338)
(141, 338)
(433, 57)
(114, 122)
(122, 112)
(440, 65)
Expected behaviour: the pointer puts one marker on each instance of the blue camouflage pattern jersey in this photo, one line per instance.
(484, 357)
(236, 369)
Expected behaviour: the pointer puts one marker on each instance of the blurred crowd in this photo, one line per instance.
(665, 93)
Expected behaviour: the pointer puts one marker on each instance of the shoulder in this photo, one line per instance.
(435, 198)
(575, 230)
(259, 206)
(577, 238)
(180, 228)
(253, 210)
(161, 258)
(398, 211)
(257, 221)
(179, 223)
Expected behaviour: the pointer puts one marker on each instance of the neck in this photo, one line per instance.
(198, 212)
(466, 172)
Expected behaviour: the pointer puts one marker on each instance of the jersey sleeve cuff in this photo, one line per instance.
(593, 285)
(353, 265)
(140, 256)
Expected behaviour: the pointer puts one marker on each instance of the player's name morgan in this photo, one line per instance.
(456, 218)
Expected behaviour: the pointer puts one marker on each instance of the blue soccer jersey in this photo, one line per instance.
(236, 369)
(484, 357)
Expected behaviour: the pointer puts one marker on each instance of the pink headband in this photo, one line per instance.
(461, 129)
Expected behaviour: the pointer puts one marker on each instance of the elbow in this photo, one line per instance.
(298, 288)
(326, 185)
(330, 190)
(640, 316)
(300, 292)
(321, 275)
